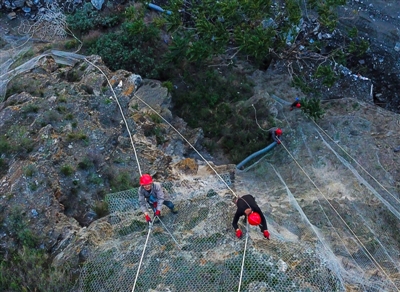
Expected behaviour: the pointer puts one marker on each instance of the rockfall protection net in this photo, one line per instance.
(49, 24)
(343, 237)
(9, 57)
(333, 227)
(208, 258)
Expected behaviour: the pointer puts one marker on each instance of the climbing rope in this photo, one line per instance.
(244, 255)
(173, 238)
(201, 156)
(122, 113)
(141, 258)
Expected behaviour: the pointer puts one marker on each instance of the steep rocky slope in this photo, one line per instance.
(65, 147)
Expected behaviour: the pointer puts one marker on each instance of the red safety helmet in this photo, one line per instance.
(145, 179)
(278, 132)
(254, 219)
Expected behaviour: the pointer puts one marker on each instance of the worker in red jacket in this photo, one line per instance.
(275, 133)
(151, 195)
(295, 104)
(246, 205)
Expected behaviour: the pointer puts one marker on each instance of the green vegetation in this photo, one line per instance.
(30, 170)
(5, 146)
(50, 117)
(85, 164)
(25, 267)
(204, 48)
(88, 18)
(18, 141)
(67, 170)
(168, 85)
(299, 82)
(19, 84)
(312, 108)
(30, 108)
(119, 181)
(101, 209)
(76, 136)
(95, 179)
(156, 131)
(327, 74)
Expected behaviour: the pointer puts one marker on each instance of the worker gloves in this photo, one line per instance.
(239, 234)
(157, 213)
(266, 234)
(148, 219)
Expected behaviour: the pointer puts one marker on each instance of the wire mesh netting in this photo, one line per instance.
(204, 258)
(333, 229)
(338, 233)
(195, 250)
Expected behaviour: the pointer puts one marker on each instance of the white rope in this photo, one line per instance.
(176, 242)
(122, 113)
(244, 255)
(141, 258)
(176, 130)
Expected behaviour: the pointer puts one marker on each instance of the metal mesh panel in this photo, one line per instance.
(196, 250)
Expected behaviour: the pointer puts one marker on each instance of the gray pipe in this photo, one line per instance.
(255, 154)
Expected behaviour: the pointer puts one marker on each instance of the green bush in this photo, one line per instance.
(30, 108)
(5, 146)
(24, 267)
(168, 85)
(30, 170)
(19, 139)
(212, 95)
(88, 18)
(120, 181)
(101, 209)
(94, 178)
(135, 48)
(76, 136)
(50, 117)
(29, 269)
(85, 164)
(67, 170)
(327, 75)
(312, 108)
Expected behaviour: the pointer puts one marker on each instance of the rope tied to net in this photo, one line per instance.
(142, 256)
(187, 141)
(244, 255)
(122, 113)
(140, 172)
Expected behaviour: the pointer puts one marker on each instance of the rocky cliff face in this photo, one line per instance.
(65, 144)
